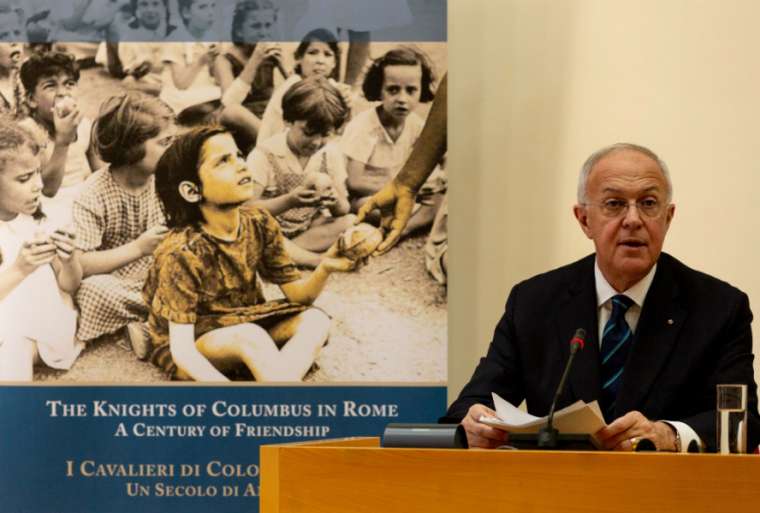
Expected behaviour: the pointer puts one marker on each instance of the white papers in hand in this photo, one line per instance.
(579, 417)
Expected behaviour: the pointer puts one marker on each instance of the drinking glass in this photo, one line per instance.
(731, 422)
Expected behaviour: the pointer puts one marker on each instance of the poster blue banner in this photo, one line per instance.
(121, 449)
(213, 20)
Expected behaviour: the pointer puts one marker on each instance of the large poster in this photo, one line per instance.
(106, 406)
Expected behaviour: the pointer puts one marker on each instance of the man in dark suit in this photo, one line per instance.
(660, 335)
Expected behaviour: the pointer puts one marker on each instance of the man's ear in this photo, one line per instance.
(190, 192)
(670, 213)
(581, 214)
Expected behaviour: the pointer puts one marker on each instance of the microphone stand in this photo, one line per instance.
(548, 437)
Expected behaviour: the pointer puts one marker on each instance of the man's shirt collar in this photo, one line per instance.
(638, 292)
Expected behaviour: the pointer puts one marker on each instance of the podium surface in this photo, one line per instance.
(356, 475)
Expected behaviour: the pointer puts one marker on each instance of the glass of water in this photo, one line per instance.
(731, 422)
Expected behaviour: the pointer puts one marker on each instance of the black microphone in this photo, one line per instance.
(547, 435)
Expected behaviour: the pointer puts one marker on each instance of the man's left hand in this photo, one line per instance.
(624, 433)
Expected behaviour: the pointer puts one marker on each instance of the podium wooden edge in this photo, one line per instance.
(352, 441)
(356, 475)
(269, 465)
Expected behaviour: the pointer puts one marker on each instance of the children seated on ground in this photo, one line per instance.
(246, 69)
(318, 54)
(189, 85)
(10, 86)
(119, 218)
(38, 266)
(50, 80)
(297, 180)
(378, 141)
(208, 314)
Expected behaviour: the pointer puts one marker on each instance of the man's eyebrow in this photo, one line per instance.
(614, 190)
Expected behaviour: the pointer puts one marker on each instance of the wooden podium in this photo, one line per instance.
(358, 476)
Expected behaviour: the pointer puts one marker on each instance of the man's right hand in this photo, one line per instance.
(479, 434)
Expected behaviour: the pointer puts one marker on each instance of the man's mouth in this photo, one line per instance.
(245, 181)
(632, 243)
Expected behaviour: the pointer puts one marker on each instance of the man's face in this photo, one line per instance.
(628, 244)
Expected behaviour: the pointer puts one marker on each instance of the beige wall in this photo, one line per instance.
(536, 86)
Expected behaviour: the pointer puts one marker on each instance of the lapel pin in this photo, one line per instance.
(670, 322)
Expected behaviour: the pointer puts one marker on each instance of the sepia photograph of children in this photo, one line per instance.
(284, 80)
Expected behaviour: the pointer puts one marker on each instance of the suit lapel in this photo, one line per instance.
(661, 320)
(579, 311)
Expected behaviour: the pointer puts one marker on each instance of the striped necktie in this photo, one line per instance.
(616, 342)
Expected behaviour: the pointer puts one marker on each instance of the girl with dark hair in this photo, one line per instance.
(318, 54)
(378, 141)
(246, 69)
(38, 266)
(119, 218)
(208, 315)
(51, 84)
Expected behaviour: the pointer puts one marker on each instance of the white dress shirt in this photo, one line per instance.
(637, 293)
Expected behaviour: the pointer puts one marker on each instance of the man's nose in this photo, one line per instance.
(632, 215)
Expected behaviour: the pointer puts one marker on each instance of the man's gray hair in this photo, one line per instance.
(600, 154)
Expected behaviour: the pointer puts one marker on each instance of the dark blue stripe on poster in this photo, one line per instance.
(212, 20)
(126, 449)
